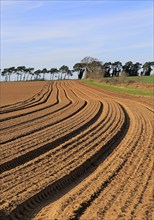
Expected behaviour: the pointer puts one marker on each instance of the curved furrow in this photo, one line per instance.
(94, 144)
(63, 133)
(51, 101)
(113, 195)
(42, 98)
(89, 160)
(80, 138)
(40, 122)
(56, 155)
(32, 116)
(79, 104)
(68, 150)
(46, 132)
(35, 141)
(13, 188)
(31, 154)
(94, 164)
(111, 145)
(27, 101)
(103, 120)
(62, 101)
(141, 173)
(84, 204)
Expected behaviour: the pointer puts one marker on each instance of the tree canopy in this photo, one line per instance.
(92, 67)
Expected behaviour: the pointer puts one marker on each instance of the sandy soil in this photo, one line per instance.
(12, 92)
(72, 151)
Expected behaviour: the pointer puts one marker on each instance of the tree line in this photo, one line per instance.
(24, 74)
(96, 69)
(92, 67)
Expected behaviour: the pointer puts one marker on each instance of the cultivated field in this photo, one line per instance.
(71, 151)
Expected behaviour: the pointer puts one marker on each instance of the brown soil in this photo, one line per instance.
(141, 85)
(18, 91)
(72, 151)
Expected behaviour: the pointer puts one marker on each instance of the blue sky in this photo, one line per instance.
(52, 33)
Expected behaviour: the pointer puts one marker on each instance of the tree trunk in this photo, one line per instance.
(24, 77)
(27, 77)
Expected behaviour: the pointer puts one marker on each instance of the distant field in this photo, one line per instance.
(125, 88)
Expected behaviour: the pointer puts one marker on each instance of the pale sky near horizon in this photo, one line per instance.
(45, 34)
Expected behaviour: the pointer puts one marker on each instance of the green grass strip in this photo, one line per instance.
(120, 89)
(141, 79)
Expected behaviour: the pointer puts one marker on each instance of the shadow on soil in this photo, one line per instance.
(53, 192)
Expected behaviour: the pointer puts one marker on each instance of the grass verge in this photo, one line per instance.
(141, 79)
(120, 89)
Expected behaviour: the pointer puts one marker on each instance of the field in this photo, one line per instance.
(141, 79)
(130, 85)
(71, 151)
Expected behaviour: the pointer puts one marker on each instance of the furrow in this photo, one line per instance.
(48, 119)
(23, 103)
(85, 154)
(42, 99)
(87, 163)
(52, 100)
